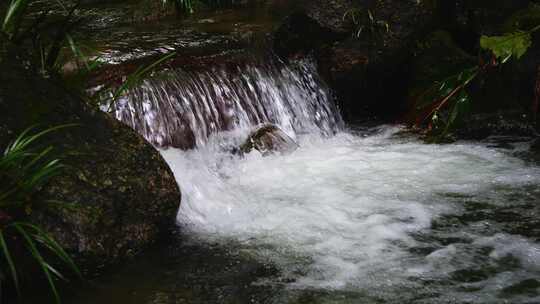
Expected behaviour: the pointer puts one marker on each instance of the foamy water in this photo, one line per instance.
(350, 213)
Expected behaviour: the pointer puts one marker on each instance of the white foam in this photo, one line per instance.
(339, 212)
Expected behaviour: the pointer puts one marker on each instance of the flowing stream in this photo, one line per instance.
(381, 215)
(183, 109)
(361, 215)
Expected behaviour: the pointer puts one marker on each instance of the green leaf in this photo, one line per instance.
(138, 77)
(45, 267)
(52, 245)
(9, 260)
(509, 45)
(15, 9)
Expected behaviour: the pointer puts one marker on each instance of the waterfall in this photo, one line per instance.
(183, 109)
(373, 215)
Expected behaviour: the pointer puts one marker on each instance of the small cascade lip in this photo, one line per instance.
(182, 108)
(113, 75)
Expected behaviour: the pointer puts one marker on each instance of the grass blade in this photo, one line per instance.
(39, 258)
(53, 246)
(9, 260)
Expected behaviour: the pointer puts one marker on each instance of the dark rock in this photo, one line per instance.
(359, 56)
(149, 10)
(269, 139)
(362, 68)
(535, 146)
(331, 14)
(483, 17)
(378, 67)
(299, 35)
(123, 194)
(521, 78)
(313, 24)
(512, 86)
(481, 126)
(435, 58)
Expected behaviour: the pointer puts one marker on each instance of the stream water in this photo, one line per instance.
(369, 216)
(375, 216)
(356, 215)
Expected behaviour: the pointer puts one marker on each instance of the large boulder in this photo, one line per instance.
(122, 193)
(511, 87)
(311, 25)
(362, 48)
(504, 123)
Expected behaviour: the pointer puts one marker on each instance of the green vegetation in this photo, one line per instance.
(509, 45)
(134, 79)
(24, 170)
(447, 102)
(41, 35)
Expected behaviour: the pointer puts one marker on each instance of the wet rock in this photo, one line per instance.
(482, 17)
(149, 10)
(361, 53)
(510, 87)
(405, 45)
(376, 57)
(313, 24)
(435, 58)
(535, 146)
(122, 194)
(517, 85)
(481, 126)
(299, 35)
(269, 139)
(331, 14)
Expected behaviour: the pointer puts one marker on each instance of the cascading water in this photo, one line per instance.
(379, 217)
(182, 109)
(357, 217)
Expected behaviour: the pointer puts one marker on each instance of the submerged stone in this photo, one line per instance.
(269, 139)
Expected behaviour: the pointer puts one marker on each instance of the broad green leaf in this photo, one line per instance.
(509, 45)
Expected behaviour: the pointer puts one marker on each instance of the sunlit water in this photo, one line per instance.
(379, 215)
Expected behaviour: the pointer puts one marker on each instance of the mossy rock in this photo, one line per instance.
(122, 194)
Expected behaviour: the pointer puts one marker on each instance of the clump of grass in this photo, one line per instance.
(24, 171)
(30, 24)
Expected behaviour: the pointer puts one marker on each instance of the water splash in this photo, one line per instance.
(376, 217)
(380, 216)
(183, 109)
